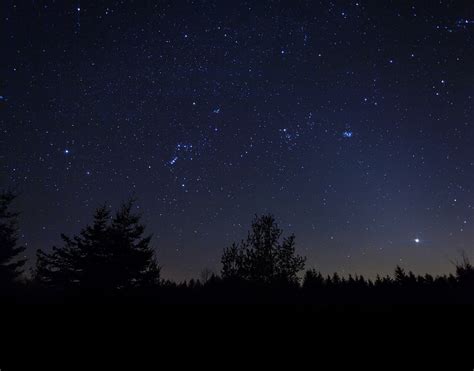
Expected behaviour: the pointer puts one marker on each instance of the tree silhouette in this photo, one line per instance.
(262, 257)
(400, 275)
(205, 275)
(10, 264)
(113, 255)
(465, 271)
(313, 279)
(80, 262)
(132, 261)
(109, 255)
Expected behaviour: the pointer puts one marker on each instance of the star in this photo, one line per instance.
(306, 116)
(173, 160)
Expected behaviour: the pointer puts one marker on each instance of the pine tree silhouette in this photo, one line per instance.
(400, 275)
(81, 261)
(313, 279)
(10, 263)
(465, 272)
(109, 255)
(132, 262)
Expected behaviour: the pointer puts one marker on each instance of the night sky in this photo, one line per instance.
(351, 121)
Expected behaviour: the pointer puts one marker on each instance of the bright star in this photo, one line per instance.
(417, 240)
(173, 160)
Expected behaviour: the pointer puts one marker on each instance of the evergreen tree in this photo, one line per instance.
(132, 261)
(400, 275)
(465, 271)
(264, 256)
(336, 279)
(313, 279)
(10, 263)
(109, 255)
(82, 261)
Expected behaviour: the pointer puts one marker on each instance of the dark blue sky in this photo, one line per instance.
(351, 121)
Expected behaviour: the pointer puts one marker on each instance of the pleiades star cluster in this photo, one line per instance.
(350, 121)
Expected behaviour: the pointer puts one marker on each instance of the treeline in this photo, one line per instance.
(112, 259)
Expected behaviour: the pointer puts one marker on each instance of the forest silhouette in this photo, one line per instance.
(112, 260)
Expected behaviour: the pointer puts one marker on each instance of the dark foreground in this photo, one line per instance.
(347, 295)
